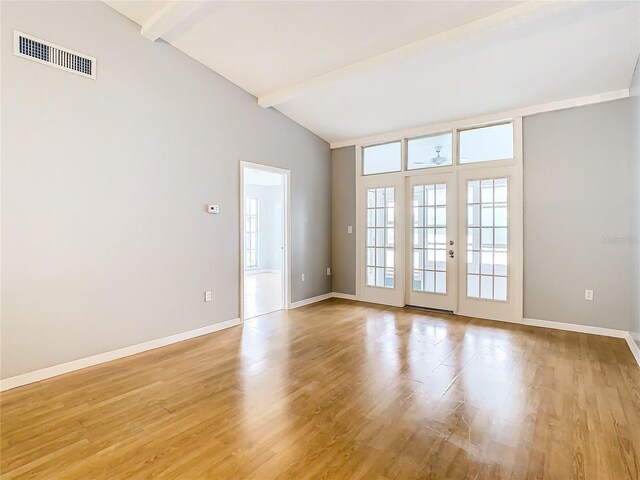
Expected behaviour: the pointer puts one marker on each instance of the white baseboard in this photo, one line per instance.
(633, 346)
(573, 327)
(344, 296)
(309, 301)
(67, 367)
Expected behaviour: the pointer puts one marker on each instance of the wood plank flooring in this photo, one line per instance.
(339, 389)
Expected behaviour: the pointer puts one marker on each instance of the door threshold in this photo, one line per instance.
(429, 309)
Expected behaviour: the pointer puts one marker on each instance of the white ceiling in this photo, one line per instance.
(353, 69)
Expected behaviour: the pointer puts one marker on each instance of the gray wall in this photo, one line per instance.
(105, 241)
(343, 200)
(576, 218)
(635, 204)
(270, 222)
(576, 215)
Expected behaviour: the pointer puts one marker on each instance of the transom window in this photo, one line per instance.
(380, 237)
(384, 158)
(475, 145)
(484, 144)
(431, 151)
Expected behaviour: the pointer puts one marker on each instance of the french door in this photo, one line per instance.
(432, 241)
(490, 220)
(444, 240)
(382, 231)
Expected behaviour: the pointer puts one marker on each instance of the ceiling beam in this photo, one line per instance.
(512, 14)
(167, 18)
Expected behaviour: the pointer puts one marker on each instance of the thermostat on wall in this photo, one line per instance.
(213, 208)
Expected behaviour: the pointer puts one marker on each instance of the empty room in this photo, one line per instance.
(320, 240)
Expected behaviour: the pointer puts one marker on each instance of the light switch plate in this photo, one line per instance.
(588, 294)
(207, 296)
(349, 229)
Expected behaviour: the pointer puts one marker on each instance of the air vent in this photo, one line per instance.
(47, 53)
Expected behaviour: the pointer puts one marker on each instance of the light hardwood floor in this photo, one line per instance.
(339, 390)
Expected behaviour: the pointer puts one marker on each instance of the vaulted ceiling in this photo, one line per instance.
(346, 70)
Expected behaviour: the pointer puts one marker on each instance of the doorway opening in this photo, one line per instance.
(264, 239)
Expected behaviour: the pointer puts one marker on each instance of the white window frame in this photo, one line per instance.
(252, 233)
(515, 165)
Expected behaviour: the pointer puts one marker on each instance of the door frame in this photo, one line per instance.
(515, 163)
(286, 233)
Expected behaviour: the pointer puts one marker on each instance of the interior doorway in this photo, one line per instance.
(264, 239)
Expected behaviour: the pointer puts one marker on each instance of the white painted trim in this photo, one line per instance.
(574, 327)
(73, 365)
(466, 31)
(167, 18)
(309, 301)
(633, 346)
(489, 118)
(286, 258)
(344, 296)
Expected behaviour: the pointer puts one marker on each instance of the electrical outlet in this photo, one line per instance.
(328, 271)
(207, 296)
(302, 277)
(588, 294)
(349, 229)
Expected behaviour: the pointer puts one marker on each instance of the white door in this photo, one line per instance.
(382, 236)
(490, 277)
(432, 241)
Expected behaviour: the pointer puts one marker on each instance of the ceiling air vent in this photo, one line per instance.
(47, 53)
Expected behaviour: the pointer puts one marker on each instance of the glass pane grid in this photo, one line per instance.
(380, 238)
(487, 232)
(429, 238)
(251, 233)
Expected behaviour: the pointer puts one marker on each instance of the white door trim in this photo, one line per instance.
(286, 234)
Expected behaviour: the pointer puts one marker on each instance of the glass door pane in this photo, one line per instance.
(380, 237)
(429, 238)
(487, 239)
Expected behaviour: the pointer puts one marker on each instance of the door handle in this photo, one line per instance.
(451, 254)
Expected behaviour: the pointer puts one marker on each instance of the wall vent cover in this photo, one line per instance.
(40, 51)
